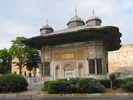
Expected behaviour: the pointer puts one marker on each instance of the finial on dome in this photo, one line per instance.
(47, 22)
(93, 12)
(76, 12)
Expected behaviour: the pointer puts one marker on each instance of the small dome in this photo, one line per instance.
(94, 17)
(76, 18)
(46, 29)
(75, 21)
(94, 20)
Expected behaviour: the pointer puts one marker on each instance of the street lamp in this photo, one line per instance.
(1, 60)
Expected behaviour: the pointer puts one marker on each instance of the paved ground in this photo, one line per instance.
(33, 89)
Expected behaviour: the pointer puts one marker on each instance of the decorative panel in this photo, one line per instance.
(57, 56)
(80, 54)
(68, 56)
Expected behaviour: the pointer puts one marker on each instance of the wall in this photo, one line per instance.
(121, 61)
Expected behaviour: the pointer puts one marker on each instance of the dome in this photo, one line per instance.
(46, 29)
(94, 17)
(94, 21)
(75, 21)
(76, 18)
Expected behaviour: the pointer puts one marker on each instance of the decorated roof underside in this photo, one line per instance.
(109, 35)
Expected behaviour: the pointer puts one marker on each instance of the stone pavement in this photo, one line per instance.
(34, 91)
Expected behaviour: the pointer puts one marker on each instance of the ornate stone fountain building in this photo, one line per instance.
(80, 50)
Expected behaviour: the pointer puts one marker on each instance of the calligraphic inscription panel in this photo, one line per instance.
(57, 56)
(80, 54)
(68, 56)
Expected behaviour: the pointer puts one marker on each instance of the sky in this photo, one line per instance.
(26, 17)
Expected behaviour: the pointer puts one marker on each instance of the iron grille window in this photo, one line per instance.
(99, 66)
(107, 68)
(91, 66)
(47, 69)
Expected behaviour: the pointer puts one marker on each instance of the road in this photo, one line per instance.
(72, 99)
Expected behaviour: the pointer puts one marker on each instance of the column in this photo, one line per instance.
(95, 65)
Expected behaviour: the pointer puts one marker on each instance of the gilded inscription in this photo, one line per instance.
(68, 56)
(80, 54)
(57, 56)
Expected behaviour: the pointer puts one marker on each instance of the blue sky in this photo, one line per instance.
(26, 17)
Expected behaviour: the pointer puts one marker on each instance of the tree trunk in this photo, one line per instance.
(20, 71)
(111, 85)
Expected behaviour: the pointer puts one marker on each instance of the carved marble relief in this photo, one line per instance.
(99, 52)
(91, 52)
(69, 74)
(68, 66)
(80, 65)
(46, 56)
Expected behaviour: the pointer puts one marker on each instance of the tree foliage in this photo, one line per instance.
(5, 66)
(17, 50)
(21, 52)
(112, 78)
(33, 60)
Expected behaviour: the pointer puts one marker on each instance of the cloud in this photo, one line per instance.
(30, 15)
(10, 30)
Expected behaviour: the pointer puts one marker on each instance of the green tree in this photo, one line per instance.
(5, 66)
(112, 78)
(23, 53)
(19, 50)
(33, 60)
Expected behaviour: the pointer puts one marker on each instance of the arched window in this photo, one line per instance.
(80, 69)
(57, 72)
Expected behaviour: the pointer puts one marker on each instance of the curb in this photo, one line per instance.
(24, 96)
(80, 95)
(1, 95)
(108, 95)
(75, 95)
(52, 95)
(130, 94)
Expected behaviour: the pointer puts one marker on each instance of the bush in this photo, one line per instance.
(75, 80)
(117, 83)
(83, 85)
(72, 88)
(58, 87)
(127, 84)
(112, 77)
(77, 85)
(62, 80)
(12, 83)
(105, 82)
(95, 86)
(45, 87)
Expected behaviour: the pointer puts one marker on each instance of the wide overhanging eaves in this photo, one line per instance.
(109, 34)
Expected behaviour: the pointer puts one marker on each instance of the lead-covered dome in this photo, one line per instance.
(46, 29)
(75, 21)
(94, 20)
